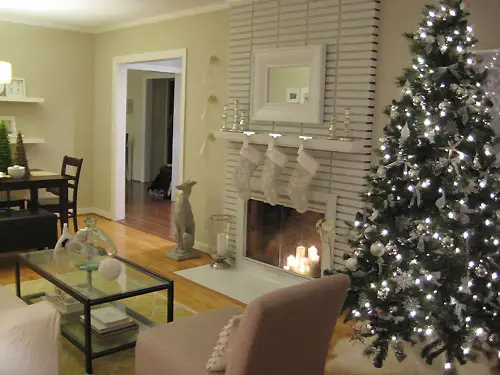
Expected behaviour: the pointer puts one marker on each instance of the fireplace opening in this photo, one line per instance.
(281, 237)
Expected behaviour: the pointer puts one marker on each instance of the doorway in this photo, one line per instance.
(149, 104)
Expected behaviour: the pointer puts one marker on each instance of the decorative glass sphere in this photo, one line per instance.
(370, 233)
(96, 241)
(89, 245)
(377, 249)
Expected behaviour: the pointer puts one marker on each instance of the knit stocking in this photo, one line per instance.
(275, 161)
(301, 178)
(249, 160)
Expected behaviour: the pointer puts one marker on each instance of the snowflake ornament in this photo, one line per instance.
(403, 281)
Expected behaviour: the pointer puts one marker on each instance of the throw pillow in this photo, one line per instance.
(222, 348)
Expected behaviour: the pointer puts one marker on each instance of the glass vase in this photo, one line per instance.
(90, 244)
(219, 232)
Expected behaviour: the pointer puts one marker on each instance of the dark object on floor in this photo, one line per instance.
(73, 174)
(26, 230)
(161, 184)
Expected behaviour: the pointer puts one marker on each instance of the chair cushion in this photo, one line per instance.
(182, 347)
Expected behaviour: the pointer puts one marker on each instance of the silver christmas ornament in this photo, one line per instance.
(377, 249)
(447, 241)
(481, 271)
(413, 173)
(383, 293)
(493, 338)
(351, 264)
(370, 233)
(498, 214)
(489, 151)
(400, 355)
(476, 164)
(382, 172)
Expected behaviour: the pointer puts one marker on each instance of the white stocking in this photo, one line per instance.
(249, 160)
(301, 178)
(275, 161)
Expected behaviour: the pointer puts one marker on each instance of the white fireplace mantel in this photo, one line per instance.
(324, 144)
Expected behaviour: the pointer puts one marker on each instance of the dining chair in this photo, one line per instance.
(71, 168)
(286, 332)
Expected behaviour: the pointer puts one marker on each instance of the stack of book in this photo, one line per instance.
(108, 321)
(63, 302)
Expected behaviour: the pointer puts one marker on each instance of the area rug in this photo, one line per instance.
(152, 306)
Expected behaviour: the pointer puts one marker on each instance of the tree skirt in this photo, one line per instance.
(152, 306)
(349, 360)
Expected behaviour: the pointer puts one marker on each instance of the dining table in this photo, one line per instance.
(40, 179)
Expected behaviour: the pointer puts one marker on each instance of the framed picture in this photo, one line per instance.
(10, 124)
(292, 95)
(130, 106)
(17, 88)
(304, 95)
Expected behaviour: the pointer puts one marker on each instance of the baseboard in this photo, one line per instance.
(94, 210)
(203, 247)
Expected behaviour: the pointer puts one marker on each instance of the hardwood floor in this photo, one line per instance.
(148, 251)
(145, 213)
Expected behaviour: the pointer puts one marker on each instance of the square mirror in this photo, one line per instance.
(288, 84)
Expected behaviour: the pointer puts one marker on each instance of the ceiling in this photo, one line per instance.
(100, 15)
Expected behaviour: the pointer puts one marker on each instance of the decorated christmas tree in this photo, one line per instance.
(20, 154)
(426, 260)
(5, 152)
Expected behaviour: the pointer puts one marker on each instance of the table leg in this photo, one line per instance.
(18, 279)
(170, 307)
(63, 203)
(88, 340)
(34, 199)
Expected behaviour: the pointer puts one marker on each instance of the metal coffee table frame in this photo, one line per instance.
(88, 303)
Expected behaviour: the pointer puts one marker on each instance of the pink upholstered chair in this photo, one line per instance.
(286, 332)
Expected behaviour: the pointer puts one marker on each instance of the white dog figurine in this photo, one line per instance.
(184, 223)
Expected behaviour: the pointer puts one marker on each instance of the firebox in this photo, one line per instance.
(279, 236)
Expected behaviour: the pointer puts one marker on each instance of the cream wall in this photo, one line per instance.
(136, 121)
(58, 66)
(399, 16)
(202, 35)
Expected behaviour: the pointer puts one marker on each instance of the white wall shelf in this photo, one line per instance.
(28, 141)
(355, 146)
(21, 100)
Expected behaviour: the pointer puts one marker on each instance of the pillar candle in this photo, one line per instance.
(221, 244)
(300, 252)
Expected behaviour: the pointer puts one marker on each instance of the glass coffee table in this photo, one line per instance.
(92, 290)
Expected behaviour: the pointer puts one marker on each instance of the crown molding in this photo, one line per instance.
(45, 24)
(99, 30)
(160, 18)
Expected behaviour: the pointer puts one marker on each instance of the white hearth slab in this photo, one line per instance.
(239, 284)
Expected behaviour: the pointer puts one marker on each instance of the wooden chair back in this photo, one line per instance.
(71, 168)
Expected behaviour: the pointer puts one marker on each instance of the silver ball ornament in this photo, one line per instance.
(351, 264)
(377, 249)
(481, 271)
(370, 233)
(489, 151)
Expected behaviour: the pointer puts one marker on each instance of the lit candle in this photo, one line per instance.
(291, 262)
(312, 253)
(300, 252)
(221, 244)
(314, 259)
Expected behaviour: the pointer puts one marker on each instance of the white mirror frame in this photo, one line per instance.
(312, 57)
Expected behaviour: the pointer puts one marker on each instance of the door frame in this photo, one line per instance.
(119, 123)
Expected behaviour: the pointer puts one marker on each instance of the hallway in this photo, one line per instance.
(145, 213)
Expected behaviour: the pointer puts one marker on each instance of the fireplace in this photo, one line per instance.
(281, 237)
